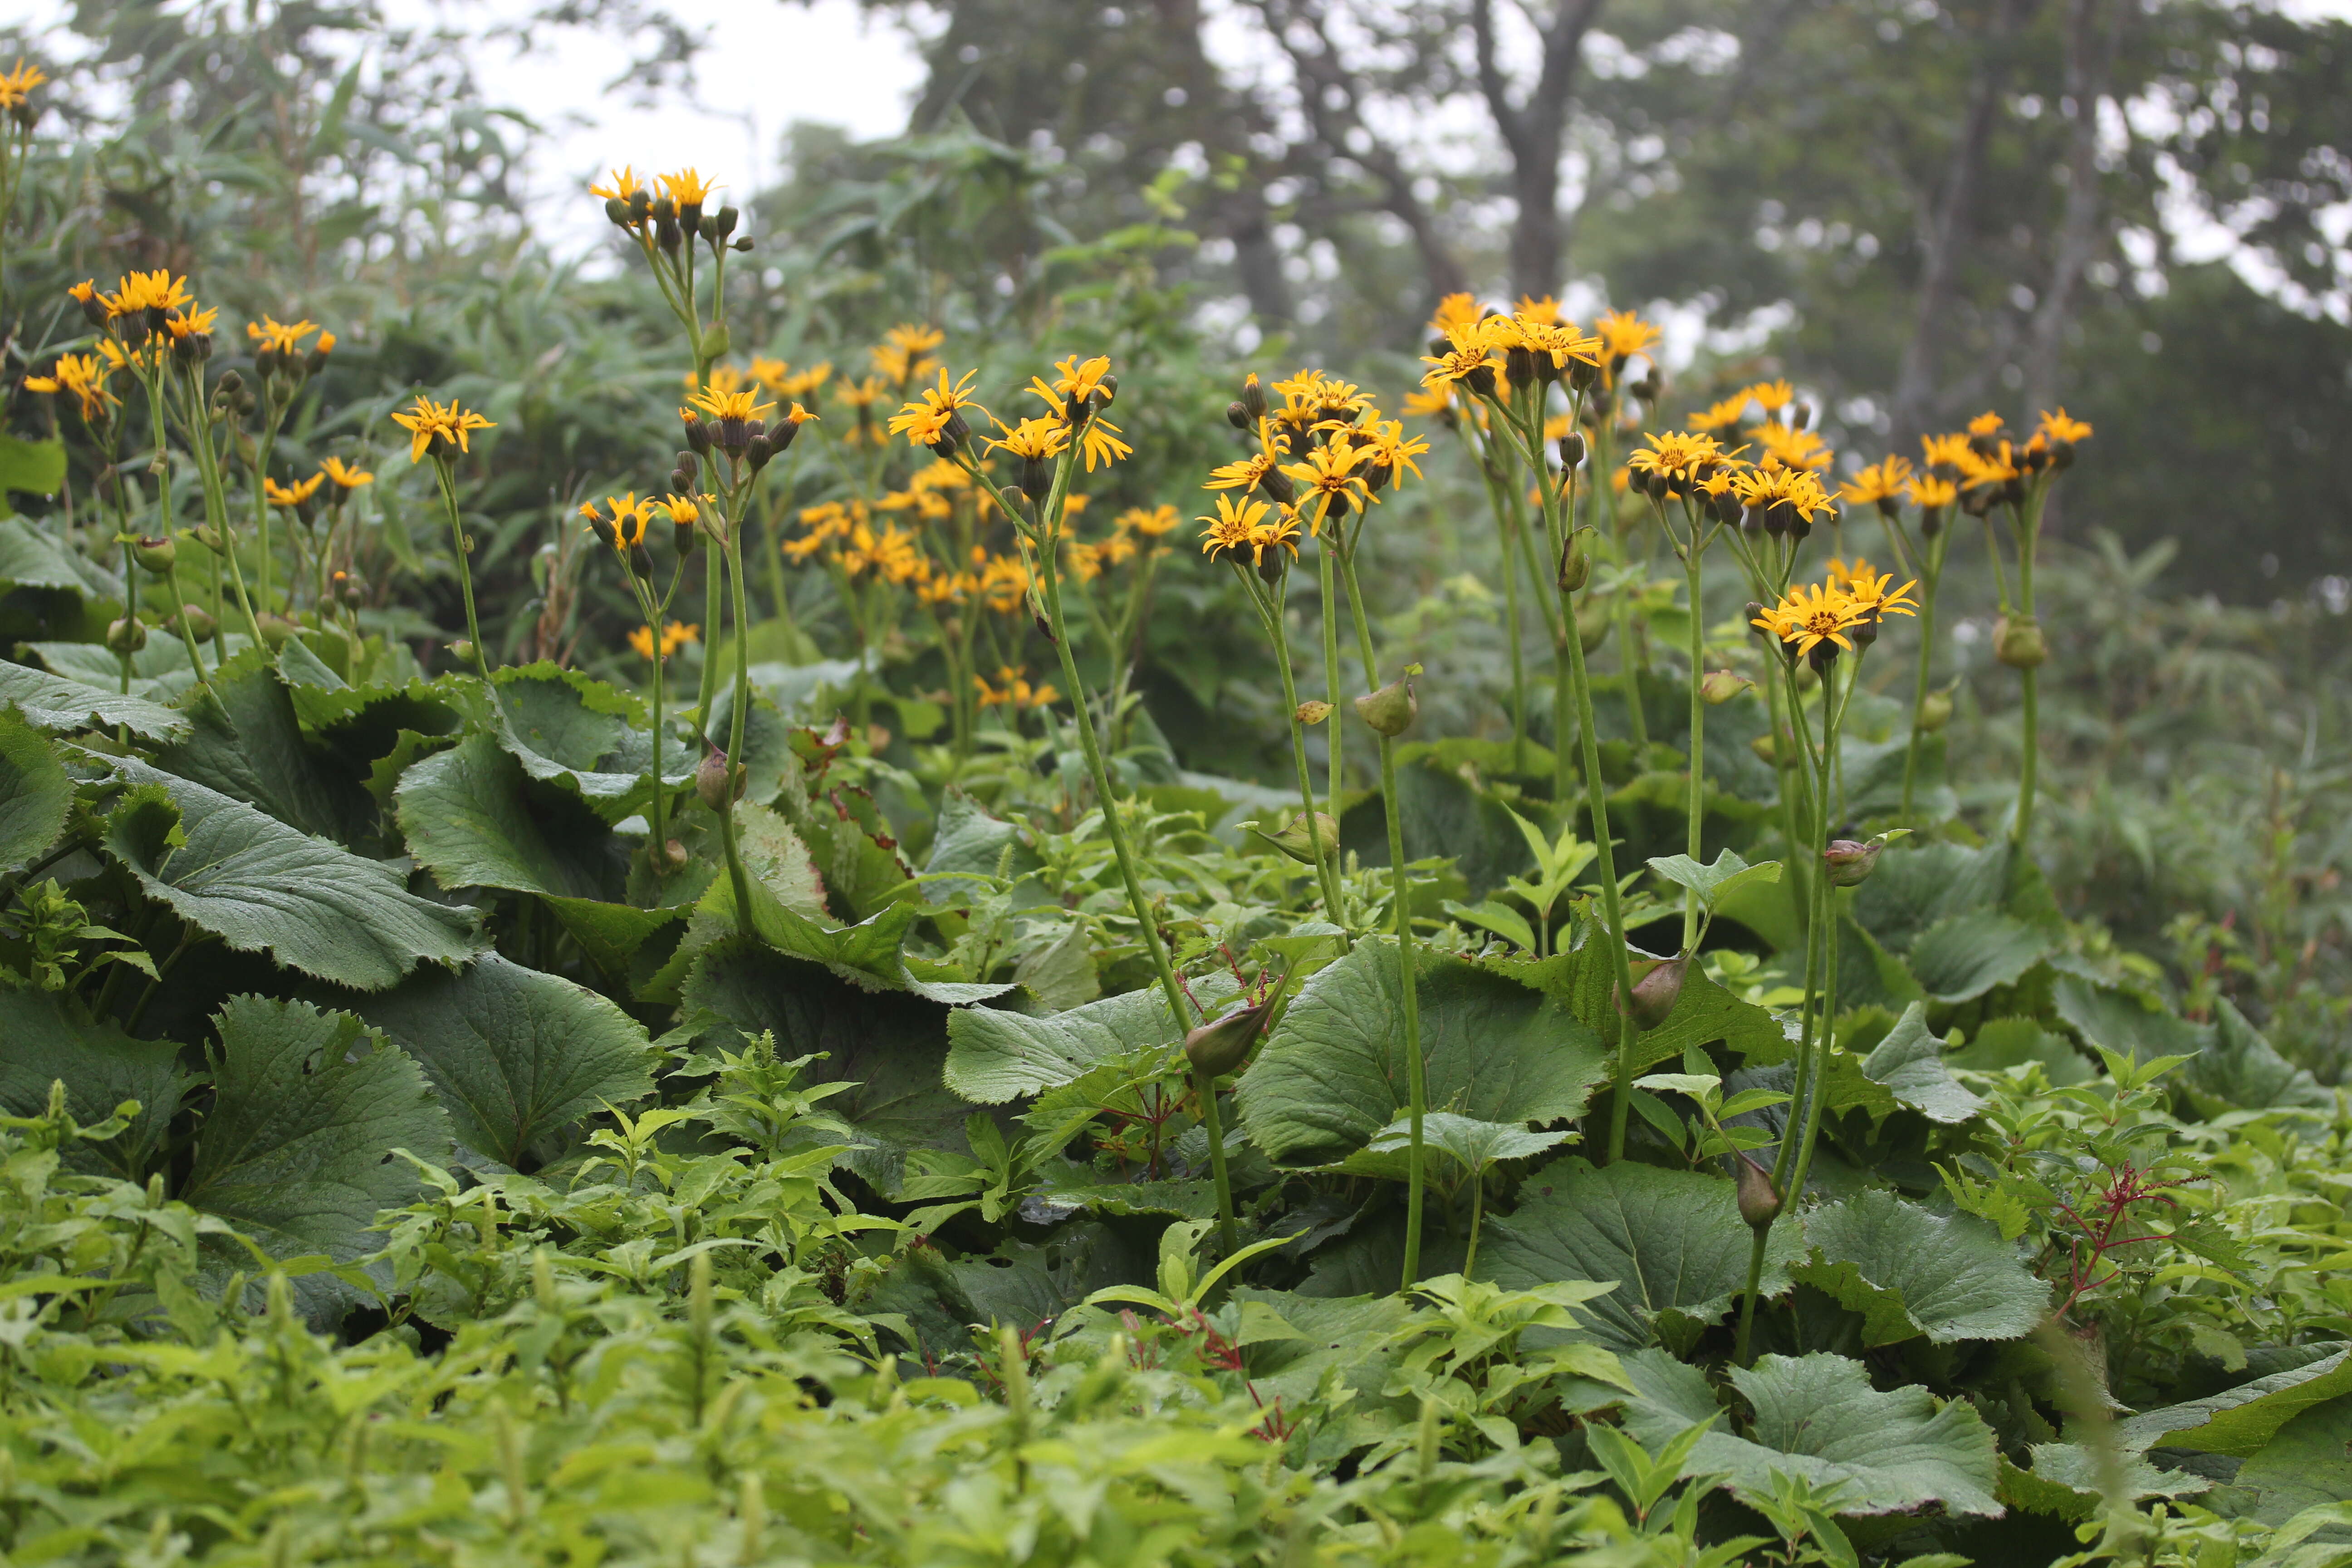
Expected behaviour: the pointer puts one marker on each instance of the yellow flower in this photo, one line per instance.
(1809, 615)
(1014, 690)
(1388, 453)
(1547, 311)
(1928, 492)
(936, 415)
(1151, 524)
(447, 422)
(1867, 592)
(909, 338)
(1455, 310)
(294, 494)
(1796, 448)
(1427, 404)
(16, 86)
(804, 384)
(1683, 456)
(345, 477)
(1467, 360)
(1625, 335)
(1248, 531)
(1783, 493)
(685, 510)
(624, 185)
(1075, 381)
(768, 372)
(2059, 428)
(674, 636)
(687, 188)
(1721, 415)
(1318, 396)
(624, 529)
(1242, 473)
(1881, 484)
(1032, 439)
(278, 337)
(136, 291)
(1100, 442)
(1983, 470)
(1988, 423)
(1772, 395)
(741, 404)
(1943, 451)
(1329, 472)
(186, 323)
(84, 378)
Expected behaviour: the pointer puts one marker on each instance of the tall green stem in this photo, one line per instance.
(1401, 896)
(1333, 750)
(713, 588)
(465, 564)
(1693, 569)
(1931, 574)
(729, 558)
(2029, 538)
(1327, 863)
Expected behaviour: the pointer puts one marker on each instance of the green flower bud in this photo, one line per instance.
(1760, 1200)
(1295, 840)
(126, 635)
(1657, 992)
(1575, 564)
(717, 782)
(1719, 687)
(198, 620)
(155, 555)
(1392, 709)
(1217, 1049)
(2018, 642)
(1849, 862)
(276, 630)
(1935, 712)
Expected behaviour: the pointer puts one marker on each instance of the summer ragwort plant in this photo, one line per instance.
(837, 1090)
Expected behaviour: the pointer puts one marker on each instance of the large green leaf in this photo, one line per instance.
(2239, 1069)
(260, 886)
(514, 1054)
(31, 558)
(1817, 1417)
(2242, 1420)
(36, 795)
(1961, 957)
(248, 743)
(53, 703)
(1910, 1062)
(995, 1055)
(1908, 1270)
(1673, 1241)
(1332, 1073)
(568, 727)
(160, 672)
(2308, 1461)
(474, 819)
(2124, 1022)
(1913, 886)
(306, 1107)
(45, 1039)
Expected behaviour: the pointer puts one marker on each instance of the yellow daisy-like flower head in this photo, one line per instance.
(1872, 595)
(1243, 532)
(344, 475)
(1625, 334)
(1880, 485)
(1455, 310)
(16, 85)
(1546, 311)
(1770, 396)
(152, 292)
(1151, 522)
(1721, 415)
(1681, 459)
(624, 526)
(293, 495)
(689, 190)
(1943, 452)
(1810, 615)
(623, 185)
(2059, 429)
(1387, 453)
(1785, 500)
(1467, 361)
(1426, 403)
(270, 335)
(1794, 447)
(1328, 481)
(1928, 492)
(1987, 424)
(448, 424)
(935, 420)
(1075, 385)
(83, 376)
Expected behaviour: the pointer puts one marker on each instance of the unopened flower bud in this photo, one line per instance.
(126, 636)
(1036, 477)
(1765, 751)
(1655, 993)
(1518, 366)
(1279, 488)
(1296, 840)
(1581, 374)
(617, 211)
(155, 555)
(1236, 415)
(725, 219)
(1575, 563)
(1935, 712)
(1850, 862)
(276, 630)
(1392, 709)
(758, 450)
(717, 783)
(1719, 687)
(1216, 1049)
(1760, 1200)
(673, 856)
(2018, 642)
(1253, 399)
(351, 588)
(198, 620)
(697, 436)
(1571, 449)
(741, 242)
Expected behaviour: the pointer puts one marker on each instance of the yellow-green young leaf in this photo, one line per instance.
(47, 1039)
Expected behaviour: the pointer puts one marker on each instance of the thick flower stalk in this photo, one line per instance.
(672, 223)
(17, 87)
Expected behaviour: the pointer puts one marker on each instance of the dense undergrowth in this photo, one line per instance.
(514, 1098)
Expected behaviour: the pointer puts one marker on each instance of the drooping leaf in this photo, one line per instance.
(472, 817)
(35, 794)
(568, 727)
(1060, 974)
(1715, 882)
(995, 1055)
(2308, 1461)
(1910, 1062)
(2241, 1420)
(247, 743)
(1673, 1241)
(2125, 1022)
(1961, 957)
(2240, 1070)
(1817, 1417)
(260, 886)
(1332, 1072)
(308, 1106)
(1471, 1144)
(61, 706)
(44, 1039)
(514, 1054)
(29, 556)
(1911, 1271)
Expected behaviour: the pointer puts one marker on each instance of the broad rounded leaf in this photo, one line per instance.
(1962, 957)
(570, 728)
(1673, 1240)
(514, 1054)
(1911, 1271)
(1817, 1417)
(260, 886)
(1332, 1073)
(248, 743)
(308, 1106)
(36, 795)
(474, 819)
(2241, 1420)
(29, 556)
(995, 1055)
